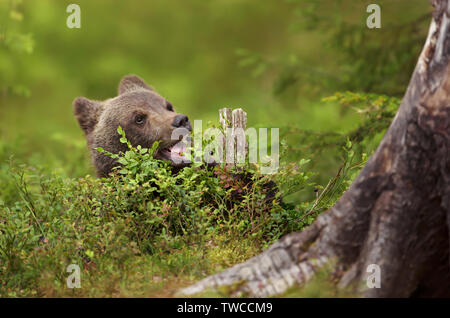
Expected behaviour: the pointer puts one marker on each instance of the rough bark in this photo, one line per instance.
(396, 213)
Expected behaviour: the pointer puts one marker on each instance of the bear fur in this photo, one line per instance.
(143, 114)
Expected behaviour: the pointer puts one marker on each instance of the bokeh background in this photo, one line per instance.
(274, 58)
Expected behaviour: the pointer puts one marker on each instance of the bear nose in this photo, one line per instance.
(181, 121)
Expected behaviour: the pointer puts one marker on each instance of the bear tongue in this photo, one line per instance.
(178, 150)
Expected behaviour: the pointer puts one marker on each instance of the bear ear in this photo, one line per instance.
(131, 83)
(86, 111)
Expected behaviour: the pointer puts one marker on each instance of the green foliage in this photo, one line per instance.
(377, 111)
(350, 55)
(197, 201)
(142, 210)
(339, 156)
(12, 40)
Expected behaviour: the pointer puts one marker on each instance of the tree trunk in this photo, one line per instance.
(396, 213)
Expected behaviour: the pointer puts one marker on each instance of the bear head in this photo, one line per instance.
(143, 114)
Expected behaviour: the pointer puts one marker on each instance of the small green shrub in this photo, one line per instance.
(195, 202)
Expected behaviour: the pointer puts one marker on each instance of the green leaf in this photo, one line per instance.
(89, 253)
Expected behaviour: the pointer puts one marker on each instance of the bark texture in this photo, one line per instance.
(396, 214)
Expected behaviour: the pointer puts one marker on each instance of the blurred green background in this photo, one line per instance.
(274, 58)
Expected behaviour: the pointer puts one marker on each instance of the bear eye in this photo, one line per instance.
(139, 119)
(169, 106)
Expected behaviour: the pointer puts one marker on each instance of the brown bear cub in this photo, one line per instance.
(142, 113)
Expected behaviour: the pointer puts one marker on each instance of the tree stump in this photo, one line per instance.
(235, 147)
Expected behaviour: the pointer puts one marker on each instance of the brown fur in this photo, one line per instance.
(136, 101)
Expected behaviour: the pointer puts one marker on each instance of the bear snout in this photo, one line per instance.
(181, 121)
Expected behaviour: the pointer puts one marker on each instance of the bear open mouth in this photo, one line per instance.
(175, 153)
